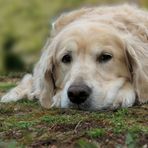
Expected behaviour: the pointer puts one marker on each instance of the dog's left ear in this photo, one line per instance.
(137, 58)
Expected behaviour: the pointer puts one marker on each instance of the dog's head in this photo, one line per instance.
(91, 66)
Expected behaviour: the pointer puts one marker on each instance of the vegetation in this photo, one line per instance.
(27, 124)
(25, 26)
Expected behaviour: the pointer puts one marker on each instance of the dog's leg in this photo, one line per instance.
(19, 92)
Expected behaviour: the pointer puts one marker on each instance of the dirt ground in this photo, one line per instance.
(27, 124)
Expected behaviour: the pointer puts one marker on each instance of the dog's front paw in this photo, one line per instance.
(123, 103)
(125, 98)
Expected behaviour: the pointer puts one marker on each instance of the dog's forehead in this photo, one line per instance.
(89, 36)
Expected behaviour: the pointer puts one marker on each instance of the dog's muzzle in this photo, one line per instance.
(78, 94)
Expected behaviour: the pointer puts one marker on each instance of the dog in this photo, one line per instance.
(95, 59)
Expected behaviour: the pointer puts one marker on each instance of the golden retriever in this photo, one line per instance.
(96, 58)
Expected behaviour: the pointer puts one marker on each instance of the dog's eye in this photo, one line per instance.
(67, 58)
(104, 57)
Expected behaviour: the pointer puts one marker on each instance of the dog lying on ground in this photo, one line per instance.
(96, 58)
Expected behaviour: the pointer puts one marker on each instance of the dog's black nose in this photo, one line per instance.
(78, 93)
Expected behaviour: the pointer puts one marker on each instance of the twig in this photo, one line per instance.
(75, 130)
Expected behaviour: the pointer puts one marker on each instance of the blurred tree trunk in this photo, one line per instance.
(10, 61)
(1, 61)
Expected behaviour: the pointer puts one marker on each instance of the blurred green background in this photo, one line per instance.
(25, 25)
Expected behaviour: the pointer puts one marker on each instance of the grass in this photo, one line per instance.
(27, 124)
(95, 133)
(6, 86)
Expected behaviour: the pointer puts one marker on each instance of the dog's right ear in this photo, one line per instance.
(44, 75)
(66, 19)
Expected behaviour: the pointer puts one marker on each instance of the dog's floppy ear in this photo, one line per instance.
(44, 73)
(137, 55)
